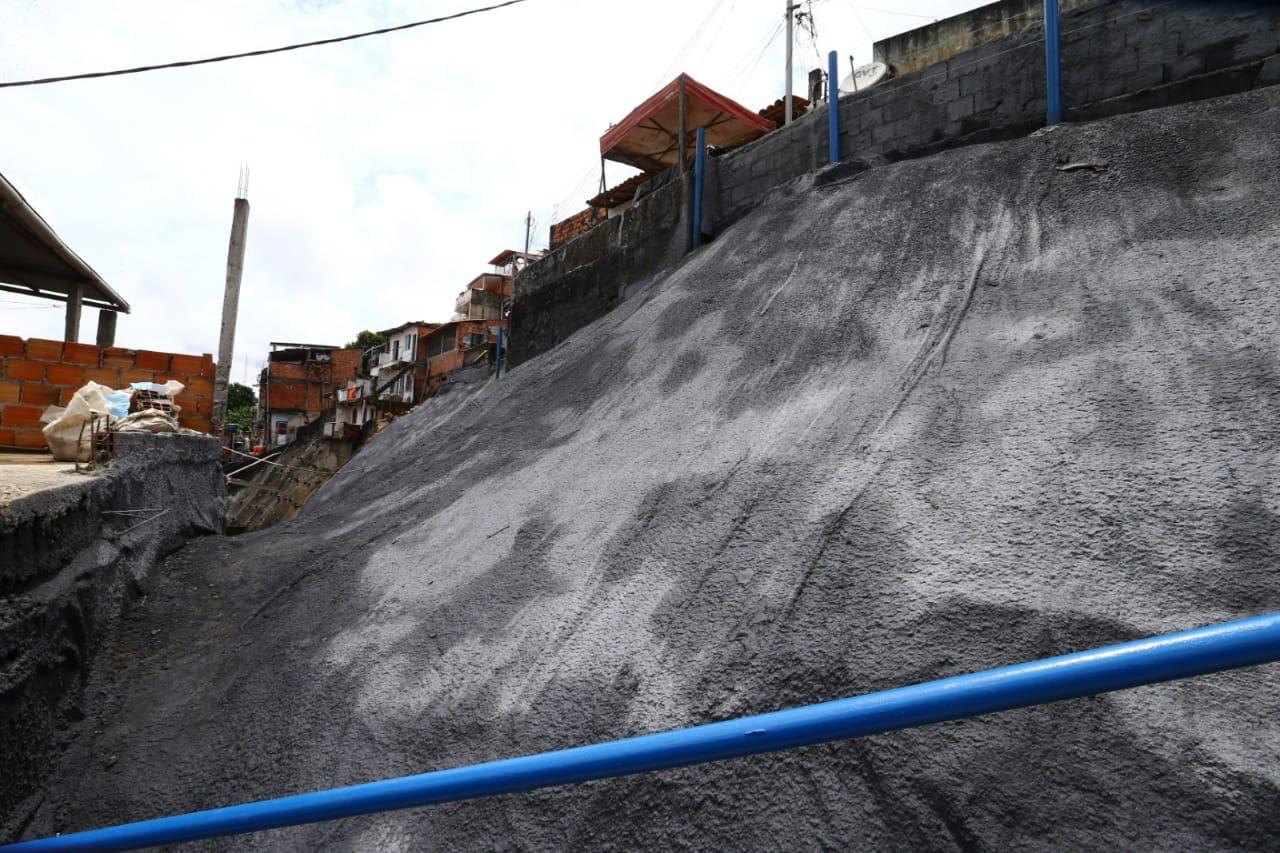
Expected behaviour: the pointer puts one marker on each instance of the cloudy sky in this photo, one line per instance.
(384, 172)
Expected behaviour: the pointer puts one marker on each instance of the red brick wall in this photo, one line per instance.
(37, 373)
(438, 367)
(303, 386)
(579, 223)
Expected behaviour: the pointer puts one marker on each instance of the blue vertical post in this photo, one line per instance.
(1052, 64)
(699, 177)
(497, 358)
(833, 108)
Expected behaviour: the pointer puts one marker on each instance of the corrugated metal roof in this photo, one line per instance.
(647, 137)
(35, 261)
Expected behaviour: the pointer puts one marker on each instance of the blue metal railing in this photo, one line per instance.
(1052, 64)
(699, 180)
(833, 108)
(1202, 650)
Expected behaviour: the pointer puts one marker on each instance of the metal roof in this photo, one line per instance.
(620, 194)
(302, 346)
(646, 138)
(35, 261)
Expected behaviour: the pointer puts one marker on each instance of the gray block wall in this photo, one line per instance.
(1117, 56)
(586, 277)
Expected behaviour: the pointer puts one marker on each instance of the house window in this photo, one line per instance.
(395, 349)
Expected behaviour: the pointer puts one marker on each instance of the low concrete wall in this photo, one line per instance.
(68, 569)
(933, 43)
(585, 278)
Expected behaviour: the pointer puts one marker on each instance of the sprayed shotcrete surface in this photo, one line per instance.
(955, 413)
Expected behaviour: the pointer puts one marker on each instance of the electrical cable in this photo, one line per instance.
(264, 52)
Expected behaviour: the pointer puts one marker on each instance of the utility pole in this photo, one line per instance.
(528, 230)
(787, 98)
(231, 300)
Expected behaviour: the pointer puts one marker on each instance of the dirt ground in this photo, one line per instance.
(23, 474)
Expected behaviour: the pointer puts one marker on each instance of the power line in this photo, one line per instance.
(224, 58)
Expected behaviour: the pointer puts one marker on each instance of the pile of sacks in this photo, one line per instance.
(69, 431)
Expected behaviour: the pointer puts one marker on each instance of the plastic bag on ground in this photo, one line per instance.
(69, 437)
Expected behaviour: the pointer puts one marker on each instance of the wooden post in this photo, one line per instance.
(71, 331)
(684, 130)
(686, 198)
(788, 110)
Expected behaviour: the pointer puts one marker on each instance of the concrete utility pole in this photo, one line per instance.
(528, 230)
(231, 300)
(787, 97)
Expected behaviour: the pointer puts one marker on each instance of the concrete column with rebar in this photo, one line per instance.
(230, 308)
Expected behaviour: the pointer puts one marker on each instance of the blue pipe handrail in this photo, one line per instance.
(1230, 645)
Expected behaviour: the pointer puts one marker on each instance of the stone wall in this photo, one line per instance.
(70, 564)
(585, 278)
(38, 373)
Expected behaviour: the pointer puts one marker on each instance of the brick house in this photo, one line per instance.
(299, 383)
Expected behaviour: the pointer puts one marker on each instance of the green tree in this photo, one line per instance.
(240, 395)
(367, 339)
(244, 416)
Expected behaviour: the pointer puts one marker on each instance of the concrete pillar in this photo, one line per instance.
(106, 328)
(230, 306)
(71, 332)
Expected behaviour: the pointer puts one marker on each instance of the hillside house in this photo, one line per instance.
(299, 383)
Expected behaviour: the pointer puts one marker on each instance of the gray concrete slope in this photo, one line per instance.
(955, 413)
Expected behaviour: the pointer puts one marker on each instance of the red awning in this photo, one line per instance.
(646, 138)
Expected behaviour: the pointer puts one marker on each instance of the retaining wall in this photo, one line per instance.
(70, 563)
(585, 278)
(38, 373)
(1117, 56)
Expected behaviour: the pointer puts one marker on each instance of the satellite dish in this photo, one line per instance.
(864, 77)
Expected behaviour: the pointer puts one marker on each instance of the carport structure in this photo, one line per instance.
(35, 262)
(658, 134)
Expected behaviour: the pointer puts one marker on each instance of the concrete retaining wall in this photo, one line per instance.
(1117, 56)
(586, 277)
(68, 568)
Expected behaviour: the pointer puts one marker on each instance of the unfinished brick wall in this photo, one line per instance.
(37, 373)
(580, 223)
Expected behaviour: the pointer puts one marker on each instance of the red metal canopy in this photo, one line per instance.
(647, 137)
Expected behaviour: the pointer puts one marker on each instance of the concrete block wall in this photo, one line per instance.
(38, 373)
(583, 279)
(1117, 56)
